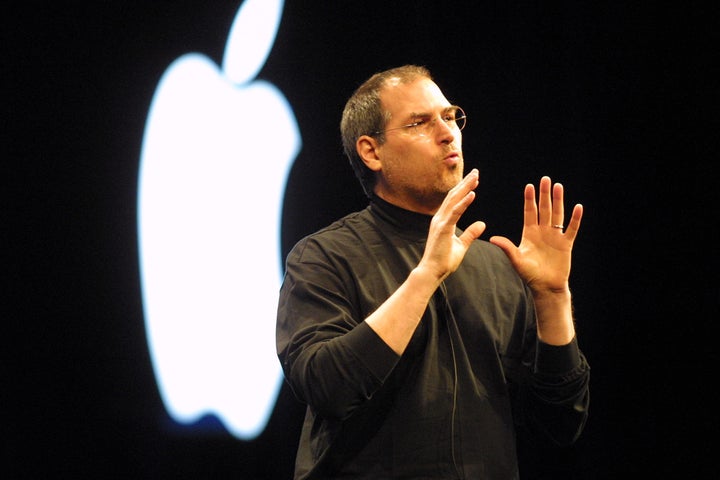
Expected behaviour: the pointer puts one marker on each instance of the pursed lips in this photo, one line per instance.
(452, 157)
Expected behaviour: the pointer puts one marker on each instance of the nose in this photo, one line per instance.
(445, 131)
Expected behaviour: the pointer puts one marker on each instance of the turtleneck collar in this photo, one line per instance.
(411, 223)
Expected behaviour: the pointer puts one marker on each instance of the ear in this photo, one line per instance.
(367, 148)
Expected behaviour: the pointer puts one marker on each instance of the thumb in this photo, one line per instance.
(472, 232)
(505, 244)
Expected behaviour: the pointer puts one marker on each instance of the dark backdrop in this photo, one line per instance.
(605, 97)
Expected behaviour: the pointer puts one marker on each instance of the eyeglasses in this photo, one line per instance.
(453, 116)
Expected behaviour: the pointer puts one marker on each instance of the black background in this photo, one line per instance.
(609, 98)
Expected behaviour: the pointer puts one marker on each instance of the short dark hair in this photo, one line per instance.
(364, 115)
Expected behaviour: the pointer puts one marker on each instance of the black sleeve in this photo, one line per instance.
(557, 398)
(332, 359)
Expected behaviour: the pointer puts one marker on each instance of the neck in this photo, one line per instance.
(417, 204)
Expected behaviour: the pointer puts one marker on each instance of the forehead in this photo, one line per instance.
(419, 96)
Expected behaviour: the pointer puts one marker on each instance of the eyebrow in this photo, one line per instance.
(428, 114)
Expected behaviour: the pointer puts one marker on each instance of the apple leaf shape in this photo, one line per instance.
(251, 38)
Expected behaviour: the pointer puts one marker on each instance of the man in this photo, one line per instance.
(421, 351)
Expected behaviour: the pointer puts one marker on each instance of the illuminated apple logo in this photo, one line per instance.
(216, 154)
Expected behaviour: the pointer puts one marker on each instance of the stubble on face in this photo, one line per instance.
(417, 173)
(424, 187)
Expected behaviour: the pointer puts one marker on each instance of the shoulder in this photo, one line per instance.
(487, 250)
(342, 234)
(485, 257)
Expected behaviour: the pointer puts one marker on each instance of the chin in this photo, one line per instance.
(456, 174)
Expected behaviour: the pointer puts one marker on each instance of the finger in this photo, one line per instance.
(471, 180)
(558, 207)
(530, 212)
(459, 197)
(545, 211)
(574, 225)
(468, 183)
(459, 208)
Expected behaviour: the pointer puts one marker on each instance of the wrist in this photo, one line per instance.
(554, 312)
(426, 275)
(560, 297)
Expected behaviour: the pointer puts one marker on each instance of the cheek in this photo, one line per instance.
(407, 159)
(394, 157)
